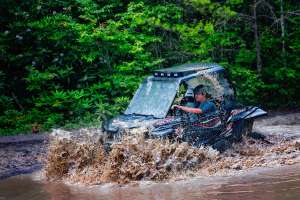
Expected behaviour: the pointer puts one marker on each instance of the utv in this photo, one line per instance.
(150, 107)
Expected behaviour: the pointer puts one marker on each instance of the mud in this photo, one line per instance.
(78, 157)
(133, 158)
(21, 156)
(81, 160)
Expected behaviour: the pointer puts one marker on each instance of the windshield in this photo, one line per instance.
(154, 97)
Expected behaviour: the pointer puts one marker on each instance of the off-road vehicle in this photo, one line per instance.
(151, 108)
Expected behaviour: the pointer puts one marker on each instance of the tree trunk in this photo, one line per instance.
(282, 25)
(256, 37)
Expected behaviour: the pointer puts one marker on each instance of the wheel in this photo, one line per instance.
(248, 127)
(198, 136)
(241, 128)
(222, 145)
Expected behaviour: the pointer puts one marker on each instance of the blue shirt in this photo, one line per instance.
(207, 107)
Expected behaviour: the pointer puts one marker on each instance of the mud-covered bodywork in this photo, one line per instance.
(150, 106)
(219, 130)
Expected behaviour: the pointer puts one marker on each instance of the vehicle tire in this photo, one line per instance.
(222, 145)
(242, 127)
(248, 127)
(257, 136)
(200, 136)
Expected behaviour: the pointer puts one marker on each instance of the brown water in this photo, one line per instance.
(250, 170)
(279, 183)
(82, 159)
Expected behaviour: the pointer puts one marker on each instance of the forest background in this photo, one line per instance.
(70, 63)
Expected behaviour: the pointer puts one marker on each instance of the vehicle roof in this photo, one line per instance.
(186, 69)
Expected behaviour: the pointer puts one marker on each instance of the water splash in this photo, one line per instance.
(133, 158)
(216, 86)
(80, 157)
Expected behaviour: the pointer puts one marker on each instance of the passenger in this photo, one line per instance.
(202, 106)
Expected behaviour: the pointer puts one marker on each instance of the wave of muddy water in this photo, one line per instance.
(81, 158)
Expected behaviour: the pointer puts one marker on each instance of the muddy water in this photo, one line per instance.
(81, 158)
(279, 183)
(252, 170)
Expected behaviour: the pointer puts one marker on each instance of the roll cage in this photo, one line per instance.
(157, 92)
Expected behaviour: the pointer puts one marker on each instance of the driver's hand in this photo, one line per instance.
(175, 107)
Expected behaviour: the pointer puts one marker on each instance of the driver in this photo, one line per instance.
(202, 106)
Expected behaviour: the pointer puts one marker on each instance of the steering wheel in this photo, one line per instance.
(180, 113)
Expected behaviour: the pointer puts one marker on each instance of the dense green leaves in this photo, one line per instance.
(66, 63)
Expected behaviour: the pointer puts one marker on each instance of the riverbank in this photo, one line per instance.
(22, 154)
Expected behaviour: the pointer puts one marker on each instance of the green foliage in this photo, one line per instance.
(73, 63)
(247, 84)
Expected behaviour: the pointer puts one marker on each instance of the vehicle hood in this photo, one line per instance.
(122, 122)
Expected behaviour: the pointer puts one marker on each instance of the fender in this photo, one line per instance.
(247, 113)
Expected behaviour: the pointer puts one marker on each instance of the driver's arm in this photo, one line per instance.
(190, 110)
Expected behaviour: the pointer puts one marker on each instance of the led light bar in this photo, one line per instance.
(168, 74)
